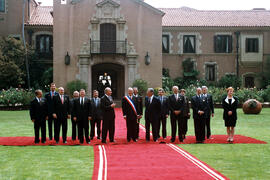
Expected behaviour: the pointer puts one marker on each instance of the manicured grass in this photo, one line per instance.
(236, 161)
(40, 162)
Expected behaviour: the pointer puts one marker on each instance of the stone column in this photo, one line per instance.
(85, 71)
(131, 68)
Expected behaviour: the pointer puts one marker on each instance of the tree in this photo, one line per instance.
(12, 55)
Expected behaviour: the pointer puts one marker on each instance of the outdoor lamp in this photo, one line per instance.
(67, 59)
(147, 59)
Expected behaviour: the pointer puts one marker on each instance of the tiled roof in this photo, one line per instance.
(41, 16)
(188, 17)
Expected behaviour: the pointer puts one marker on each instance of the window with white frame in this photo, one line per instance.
(166, 43)
(252, 45)
(189, 44)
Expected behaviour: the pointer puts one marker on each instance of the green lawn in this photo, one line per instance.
(40, 162)
(236, 161)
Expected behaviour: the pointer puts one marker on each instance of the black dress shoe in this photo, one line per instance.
(98, 137)
(172, 140)
(43, 142)
(128, 140)
(103, 141)
(88, 142)
(65, 142)
(57, 142)
(112, 141)
(181, 140)
(135, 140)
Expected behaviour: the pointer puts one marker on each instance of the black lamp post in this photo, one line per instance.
(67, 59)
(237, 33)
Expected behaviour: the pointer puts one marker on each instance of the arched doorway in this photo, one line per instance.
(109, 75)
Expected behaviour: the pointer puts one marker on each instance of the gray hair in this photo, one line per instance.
(204, 87)
(130, 88)
(76, 92)
(61, 88)
(151, 90)
(175, 87)
(160, 89)
(107, 89)
(37, 91)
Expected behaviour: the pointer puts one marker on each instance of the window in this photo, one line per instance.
(189, 44)
(223, 44)
(210, 72)
(166, 43)
(252, 45)
(249, 82)
(44, 46)
(108, 38)
(2, 5)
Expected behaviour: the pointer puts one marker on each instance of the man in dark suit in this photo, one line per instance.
(199, 106)
(61, 112)
(82, 114)
(152, 114)
(139, 110)
(210, 110)
(76, 95)
(39, 115)
(164, 113)
(129, 108)
(49, 97)
(96, 115)
(176, 106)
(186, 112)
(108, 114)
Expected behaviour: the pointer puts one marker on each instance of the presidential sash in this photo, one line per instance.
(130, 102)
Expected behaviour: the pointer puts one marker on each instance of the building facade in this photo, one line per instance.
(114, 42)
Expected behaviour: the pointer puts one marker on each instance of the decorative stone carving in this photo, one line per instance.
(252, 106)
(85, 49)
(131, 49)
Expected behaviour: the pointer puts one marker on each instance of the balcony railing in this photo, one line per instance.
(108, 47)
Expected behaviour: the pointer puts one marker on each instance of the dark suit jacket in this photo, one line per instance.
(61, 110)
(230, 107)
(140, 105)
(82, 112)
(96, 110)
(164, 106)
(39, 111)
(210, 103)
(152, 111)
(71, 105)
(186, 108)
(50, 102)
(107, 111)
(199, 104)
(176, 105)
(127, 109)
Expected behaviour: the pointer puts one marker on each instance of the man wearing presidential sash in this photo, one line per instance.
(129, 108)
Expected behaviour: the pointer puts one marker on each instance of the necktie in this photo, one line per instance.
(176, 97)
(52, 94)
(96, 102)
(62, 99)
(39, 100)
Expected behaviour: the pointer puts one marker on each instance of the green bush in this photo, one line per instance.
(142, 86)
(15, 97)
(230, 80)
(76, 85)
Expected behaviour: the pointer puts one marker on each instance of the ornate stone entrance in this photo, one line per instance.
(109, 75)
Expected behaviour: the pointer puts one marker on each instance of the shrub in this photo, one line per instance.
(230, 80)
(76, 85)
(15, 97)
(142, 86)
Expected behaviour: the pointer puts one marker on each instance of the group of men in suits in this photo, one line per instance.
(56, 108)
(159, 108)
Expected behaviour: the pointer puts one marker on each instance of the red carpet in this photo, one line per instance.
(142, 160)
